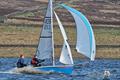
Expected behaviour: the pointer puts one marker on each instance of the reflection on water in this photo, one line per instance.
(85, 70)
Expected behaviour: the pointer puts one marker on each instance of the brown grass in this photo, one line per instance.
(29, 52)
(30, 35)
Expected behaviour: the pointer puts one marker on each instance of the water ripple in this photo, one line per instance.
(86, 70)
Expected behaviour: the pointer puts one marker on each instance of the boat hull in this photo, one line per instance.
(56, 69)
(28, 70)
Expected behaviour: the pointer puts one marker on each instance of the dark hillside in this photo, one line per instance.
(100, 10)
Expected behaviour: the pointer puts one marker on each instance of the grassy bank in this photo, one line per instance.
(30, 35)
(29, 52)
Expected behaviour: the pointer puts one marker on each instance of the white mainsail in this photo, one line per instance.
(45, 45)
(85, 38)
(66, 56)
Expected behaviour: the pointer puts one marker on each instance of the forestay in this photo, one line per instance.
(85, 38)
(45, 45)
(66, 56)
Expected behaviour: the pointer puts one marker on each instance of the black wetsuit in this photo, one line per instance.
(21, 63)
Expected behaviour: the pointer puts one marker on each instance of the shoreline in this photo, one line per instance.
(80, 57)
(75, 58)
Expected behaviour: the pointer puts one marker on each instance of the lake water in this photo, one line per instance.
(87, 71)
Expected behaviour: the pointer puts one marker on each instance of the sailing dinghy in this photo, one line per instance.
(85, 43)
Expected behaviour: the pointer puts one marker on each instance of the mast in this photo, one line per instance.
(51, 7)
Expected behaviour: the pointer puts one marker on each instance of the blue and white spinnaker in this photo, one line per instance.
(85, 37)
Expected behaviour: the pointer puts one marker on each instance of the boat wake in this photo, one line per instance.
(29, 70)
(5, 72)
(25, 70)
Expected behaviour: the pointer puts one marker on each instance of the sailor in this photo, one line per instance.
(106, 75)
(21, 62)
(36, 62)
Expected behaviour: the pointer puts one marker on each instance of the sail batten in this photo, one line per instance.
(85, 38)
(66, 55)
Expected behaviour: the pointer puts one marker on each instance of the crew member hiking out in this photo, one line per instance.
(21, 62)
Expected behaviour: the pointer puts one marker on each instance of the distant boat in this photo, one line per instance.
(85, 43)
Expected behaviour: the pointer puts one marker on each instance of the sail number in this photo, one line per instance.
(47, 24)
